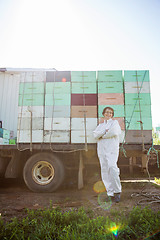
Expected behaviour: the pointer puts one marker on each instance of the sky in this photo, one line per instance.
(83, 35)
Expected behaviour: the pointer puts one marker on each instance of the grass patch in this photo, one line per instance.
(157, 180)
(55, 224)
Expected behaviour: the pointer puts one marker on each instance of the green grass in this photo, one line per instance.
(157, 180)
(76, 225)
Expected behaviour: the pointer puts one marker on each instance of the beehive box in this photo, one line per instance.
(66, 106)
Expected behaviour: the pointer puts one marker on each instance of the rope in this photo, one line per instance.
(154, 150)
(85, 126)
(51, 148)
(21, 116)
(147, 198)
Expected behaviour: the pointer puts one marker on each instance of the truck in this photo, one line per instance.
(47, 118)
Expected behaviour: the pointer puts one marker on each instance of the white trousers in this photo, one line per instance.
(110, 173)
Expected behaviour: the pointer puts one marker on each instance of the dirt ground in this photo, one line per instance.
(15, 197)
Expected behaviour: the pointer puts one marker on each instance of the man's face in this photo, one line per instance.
(108, 114)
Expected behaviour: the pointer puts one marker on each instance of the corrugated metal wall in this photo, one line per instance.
(9, 90)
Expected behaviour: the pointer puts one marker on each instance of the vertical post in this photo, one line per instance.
(80, 172)
(144, 162)
(131, 165)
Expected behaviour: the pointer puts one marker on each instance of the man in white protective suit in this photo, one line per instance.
(107, 136)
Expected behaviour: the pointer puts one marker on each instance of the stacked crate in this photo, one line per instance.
(57, 107)
(31, 107)
(6, 137)
(137, 107)
(83, 106)
(110, 93)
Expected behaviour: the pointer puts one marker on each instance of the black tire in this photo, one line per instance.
(43, 172)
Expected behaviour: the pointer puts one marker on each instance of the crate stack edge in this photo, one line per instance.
(137, 107)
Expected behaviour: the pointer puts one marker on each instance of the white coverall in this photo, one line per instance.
(108, 152)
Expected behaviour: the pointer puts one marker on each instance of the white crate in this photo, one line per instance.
(25, 123)
(134, 87)
(33, 77)
(57, 136)
(78, 136)
(79, 123)
(24, 136)
(57, 124)
(4, 141)
(25, 111)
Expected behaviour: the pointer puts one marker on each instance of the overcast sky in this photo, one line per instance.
(83, 35)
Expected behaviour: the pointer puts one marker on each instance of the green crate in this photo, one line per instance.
(136, 111)
(58, 87)
(110, 76)
(110, 87)
(135, 125)
(134, 98)
(57, 99)
(12, 141)
(118, 110)
(131, 76)
(84, 87)
(29, 88)
(6, 134)
(31, 100)
(83, 76)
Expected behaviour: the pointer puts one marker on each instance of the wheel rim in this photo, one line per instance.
(43, 172)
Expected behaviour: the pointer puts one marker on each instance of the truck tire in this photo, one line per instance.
(43, 172)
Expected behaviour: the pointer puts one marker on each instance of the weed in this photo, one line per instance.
(53, 224)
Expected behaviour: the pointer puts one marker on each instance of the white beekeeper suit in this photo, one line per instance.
(108, 151)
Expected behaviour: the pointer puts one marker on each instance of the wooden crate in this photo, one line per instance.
(58, 87)
(25, 123)
(31, 100)
(86, 87)
(31, 88)
(83, 76)
(79, 123)
(136, 111)
(142, 75)
(135, 136)
(134, 98)
(24, 136)
(57, 136)
(79, 111)
(57, 124)
(58, 76)
(110, 87)
(134, 87)
(109, 76)
(78, 136)
(25, 111)
(135, 124)
(57, 99)
(57, 111)
(110, 99)
(84, 99)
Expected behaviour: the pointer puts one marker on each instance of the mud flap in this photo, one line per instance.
(13, 167)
